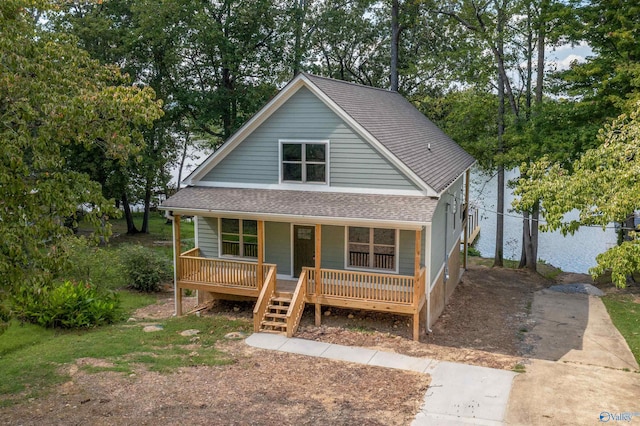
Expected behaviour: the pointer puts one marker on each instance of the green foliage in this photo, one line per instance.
(603, 185)
(144, 268)
(625, 315)
(468, 117)
(611, 78)
(52, 96)
(472, 251)
(66, 305)
(32, 356)
(100, 266)
(5, 316)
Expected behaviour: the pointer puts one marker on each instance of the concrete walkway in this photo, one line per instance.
(581, 368)
(458, 393)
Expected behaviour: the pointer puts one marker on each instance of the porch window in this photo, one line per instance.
(239, 237)
(372, 248)
(304, 162)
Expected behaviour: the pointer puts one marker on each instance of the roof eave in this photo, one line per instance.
(301, 219)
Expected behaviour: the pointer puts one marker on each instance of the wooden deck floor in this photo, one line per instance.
(288, 286)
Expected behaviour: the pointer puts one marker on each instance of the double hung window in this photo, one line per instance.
(372, 248)
(239, 237)
(304, 162)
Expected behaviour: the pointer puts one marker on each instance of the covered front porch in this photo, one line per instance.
(280, 303)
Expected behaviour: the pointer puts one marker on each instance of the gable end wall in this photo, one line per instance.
(353, 162)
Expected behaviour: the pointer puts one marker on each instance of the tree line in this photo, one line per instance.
(100, 99)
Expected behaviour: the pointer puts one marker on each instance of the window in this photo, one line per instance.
(372, 248)
(304, 162)
(239, 237)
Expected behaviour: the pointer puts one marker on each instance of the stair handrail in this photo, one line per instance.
(296, 307)
(268, 289)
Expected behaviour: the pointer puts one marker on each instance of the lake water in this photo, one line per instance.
(573, 253)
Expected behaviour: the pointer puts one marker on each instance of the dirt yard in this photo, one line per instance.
(482, 325)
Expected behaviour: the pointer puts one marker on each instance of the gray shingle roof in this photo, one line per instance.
(399, 208)
(401, 128)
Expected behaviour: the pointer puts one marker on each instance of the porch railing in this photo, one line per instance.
(360, 259)
(220, 271)
(363, 285)
(294, 313)
(268, 289)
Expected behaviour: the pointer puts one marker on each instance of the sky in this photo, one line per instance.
(561, 57)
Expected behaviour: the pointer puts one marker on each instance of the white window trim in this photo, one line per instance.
(327, 176)
(228, 256)
(380, 271)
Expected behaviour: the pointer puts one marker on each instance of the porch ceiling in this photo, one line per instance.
(324, 206)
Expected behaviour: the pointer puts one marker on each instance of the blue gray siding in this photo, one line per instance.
(406, 252)
(353, 162)
(333, 247)
(277, 249)
(278, 245)
(442, 217)
(208, 236)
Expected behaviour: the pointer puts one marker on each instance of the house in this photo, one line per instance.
(333, 194)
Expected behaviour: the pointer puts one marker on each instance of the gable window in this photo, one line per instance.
(372, 248)
(304, 162)
(239, 237)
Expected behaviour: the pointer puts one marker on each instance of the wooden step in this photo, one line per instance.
(275, 315)
(266, 330)
(278, 324)
(281, 299)
(277, 308)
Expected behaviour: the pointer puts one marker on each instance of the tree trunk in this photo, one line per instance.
(183, 158)
(131, 226)
(531, 219)
(529, 254)
(535, 231)
(227, 118)
(147, 206)
(499, 254)
(300, 13)
(395, 42)
(529, 63)
(542, 30)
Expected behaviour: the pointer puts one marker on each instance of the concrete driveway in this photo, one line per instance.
(580, 369)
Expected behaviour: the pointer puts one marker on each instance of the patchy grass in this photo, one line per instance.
(519, 368)
(32, 357)
(624, 311)
(546, 270)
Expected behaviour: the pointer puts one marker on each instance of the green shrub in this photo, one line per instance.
(4, 317)
(144, 268)
(66, 305)
(100, 266)
(472, 251)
